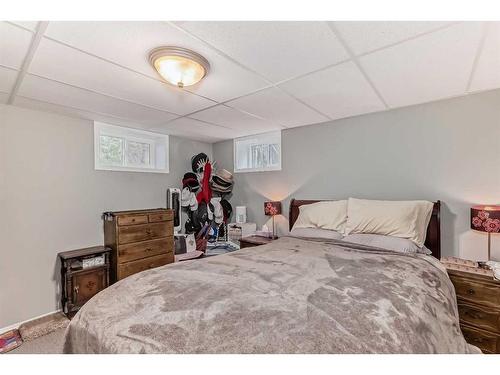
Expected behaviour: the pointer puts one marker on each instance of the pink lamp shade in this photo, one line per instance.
(272, 208)
(485, 218)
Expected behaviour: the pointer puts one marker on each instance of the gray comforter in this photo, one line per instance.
(291, 296)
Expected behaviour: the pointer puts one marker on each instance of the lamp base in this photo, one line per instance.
(489, 246)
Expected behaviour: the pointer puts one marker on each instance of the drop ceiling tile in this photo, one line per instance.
(197, 130)
(129, 43)
(30, 25)
(363, 36)
(56, 93)
(431, 67)
(277, 50)
(487, 74)
(338, 92)
(64, 64)
(77, 113)
(3, 98)
(7, 79)
(14, 44)
(274, 105)
(234, 119)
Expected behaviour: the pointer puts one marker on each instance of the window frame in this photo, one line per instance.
(133, 135)
(278, 167)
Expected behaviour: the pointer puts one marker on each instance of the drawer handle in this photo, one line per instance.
(477, 339)
(76, 289)
(149, 249)
(471, 291)
(133, 220)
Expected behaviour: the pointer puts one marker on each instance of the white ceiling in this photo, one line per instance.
(264, 75)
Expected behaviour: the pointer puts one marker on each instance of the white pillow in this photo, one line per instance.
(330, 215)
(401, 245)
(316, 233)
(404, 219)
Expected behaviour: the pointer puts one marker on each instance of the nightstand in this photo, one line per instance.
(84, 273)
(478, 298)
(252, 241)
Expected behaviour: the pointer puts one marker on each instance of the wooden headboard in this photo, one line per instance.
(432, 240)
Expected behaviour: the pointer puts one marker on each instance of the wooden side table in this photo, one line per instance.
(478, 298)
(84, 273)
(252, 241)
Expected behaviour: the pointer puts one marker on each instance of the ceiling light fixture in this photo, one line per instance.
(179, 66)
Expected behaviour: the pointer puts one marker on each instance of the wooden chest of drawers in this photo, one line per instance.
(139, 240)
(478, 299)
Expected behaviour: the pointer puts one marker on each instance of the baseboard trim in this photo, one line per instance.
(17, 325)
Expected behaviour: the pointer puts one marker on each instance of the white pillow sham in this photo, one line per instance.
(401, 245)
(331, 215)
(316, 233)
(404, 219)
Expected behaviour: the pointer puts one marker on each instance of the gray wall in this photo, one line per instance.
(51, 200)
(447, 150)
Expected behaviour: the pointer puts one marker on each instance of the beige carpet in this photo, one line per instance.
(51, 343)
(43, 326)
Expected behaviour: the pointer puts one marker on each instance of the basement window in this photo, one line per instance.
(257, 153)
(117, 148)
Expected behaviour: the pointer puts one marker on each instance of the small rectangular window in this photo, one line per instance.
(261, 152)
(124, 149)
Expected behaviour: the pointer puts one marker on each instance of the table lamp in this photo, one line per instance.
(272, 209)
(486, 219)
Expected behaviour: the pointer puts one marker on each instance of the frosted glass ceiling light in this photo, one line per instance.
(179, 66)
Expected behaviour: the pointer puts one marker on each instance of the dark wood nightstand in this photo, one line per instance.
(478, 298)
(252, 241)
(84, 273)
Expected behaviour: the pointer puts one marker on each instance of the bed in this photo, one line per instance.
(293, 295)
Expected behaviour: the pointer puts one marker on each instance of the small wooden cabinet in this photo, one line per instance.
(84, 273)
(140, 240)
(478, 298)
(252, 241)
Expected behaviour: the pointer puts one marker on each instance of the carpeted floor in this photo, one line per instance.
(48, 344)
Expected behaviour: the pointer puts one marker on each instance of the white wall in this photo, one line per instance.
(447, 150)
(51, 200)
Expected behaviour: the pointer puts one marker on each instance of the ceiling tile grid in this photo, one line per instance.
(28, 25)
(14, 45)
(64, 64)
(7, 79)
(487, 72)
(194, 129)
(363, 37)
(283, 110)
(66, 95)
(263, 76)
(276, 50)
(228, 117)
(128, 44)
(79, 113)
(432, 67)
(339, 91)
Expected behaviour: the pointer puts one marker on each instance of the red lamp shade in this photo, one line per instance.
(485, 218)
(272, 208)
